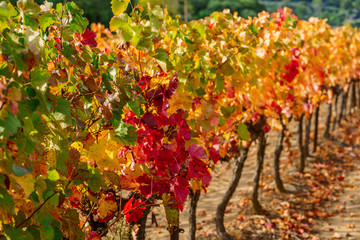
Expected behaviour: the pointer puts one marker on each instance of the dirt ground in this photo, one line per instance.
(324, 203)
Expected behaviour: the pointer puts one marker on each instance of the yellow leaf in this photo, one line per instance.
(105, 152)
(106, 208)
(26, 183)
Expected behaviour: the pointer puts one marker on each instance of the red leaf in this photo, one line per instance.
(199, 171)
(185, 133)
(145, 81)
(267, 128)
(196, 151)
(214, 153)
(58, 43)
(133, 215)
(93, 236)
(282, 15)
(180, 189)
(293, 70)
(75, 198)
(231, 92)
(110, 196)
(172, 86)
(88, 38)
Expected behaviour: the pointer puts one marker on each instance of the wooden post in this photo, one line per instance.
(186, 13)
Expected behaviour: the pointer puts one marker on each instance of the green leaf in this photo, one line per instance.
(221, 121)
(95, 182)
(46, 222)
(243, 132)
(7, 10)
(21, 171)
(31, 21)
(227, 69)
(171, 212)
(47, 232)
(120, 23)
(62, 157)
(106, 80)
(31, 92)
(9, 126)
(227, 111)
(32, 104)
(39, 76)
(119, 6)
(20, 216)
(67, 35)
(172, 215)
(162, 58)
(6, 201)
(53, 175)
(86, 54)
(200, 92)
(46, 20)
(70, 224)
(157, 12)
(73, 8)
(34, 231)
(16, 233)
(135, 107)
(254, 29)
(63, 106)
(155, 24)
(13, 39)
(156, 18)
(219, 85)
(145, 168)
(25, 143)
(120, 129)
(126, 133)
(201, 28)
(62, 111)
(79, 23)
(20, 59)
(34, 197)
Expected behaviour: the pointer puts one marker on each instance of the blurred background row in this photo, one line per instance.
(338, 12)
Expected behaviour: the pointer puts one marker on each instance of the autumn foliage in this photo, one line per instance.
(146, 108)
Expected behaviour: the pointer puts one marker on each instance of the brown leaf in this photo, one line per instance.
(336, 236)
(351, 226)
(106, 113)
(201, 213)
(90, 83)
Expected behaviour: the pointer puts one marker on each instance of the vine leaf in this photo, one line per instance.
(180, 189)
(243, 132)
(9, 126)
(119, 6)
(133, 210)
(196, 151)
(106, 208)
(21, 171)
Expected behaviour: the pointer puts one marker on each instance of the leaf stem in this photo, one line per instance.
(42, 204)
